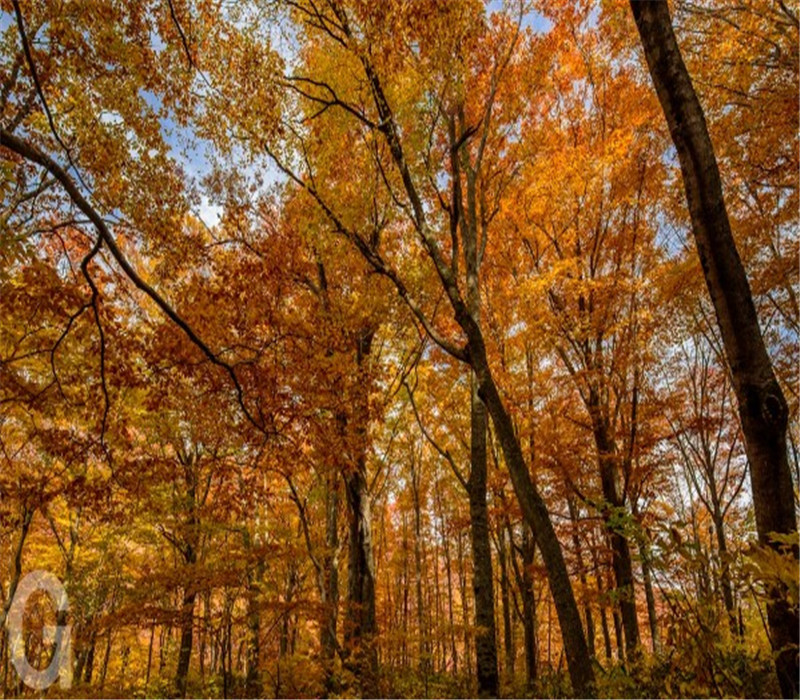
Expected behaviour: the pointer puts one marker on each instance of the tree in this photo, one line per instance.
(762, 407)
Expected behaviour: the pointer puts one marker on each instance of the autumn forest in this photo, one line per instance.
(412, 348)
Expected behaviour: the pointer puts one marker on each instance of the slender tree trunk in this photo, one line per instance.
(762, 406)
(330, 584)
(576, 541)
(535, 513)
(448, 568)
(462, 586)
(621, 561)
(482, 578)
(106, 658)
(149, 658)
(187, 628)
(90, 656)
(529, 604)
(725, 574)
(508, 632)
(424, 650)
(255, 574)
(361, 627)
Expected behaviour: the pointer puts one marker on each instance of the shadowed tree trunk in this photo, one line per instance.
(621, 562)
(330, 582)
(424, 643)
(576, 541)
(482, 578)
(525, 584)
(762, 406)
(255, 575)
(361, 627)
(505, 598)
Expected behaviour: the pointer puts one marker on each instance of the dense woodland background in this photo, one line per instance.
(359, 348)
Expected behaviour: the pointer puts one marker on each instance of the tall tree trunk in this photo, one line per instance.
(576, 541)
(525, 583)
(535, 513)
(647, 582)
(482, 578)
(330, 583)
(424, 649)
(725, 573)
(621, 561)
(448, 570)
(255, 575)
(762, 406)
(187, 628)
(508, 632)
(361, 627)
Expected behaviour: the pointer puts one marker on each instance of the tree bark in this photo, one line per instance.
(505, 598)
(762, 406)
(361, 627)
(482, 578)
(330, 583)
(535, 513)
(187, 627)
(424, 646)
(576, 541)
(621, 562)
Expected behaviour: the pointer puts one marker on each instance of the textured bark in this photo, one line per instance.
(505, 599)
(621, 562)
(188, 548)
(762, 406)
(528, 605)
(424, 647)
(724, 574)
(647, 582)
(482, 578)
(535, 513)
(255, 574)
(576, 542)
(330, 583)
(361, 627)
(185, 652)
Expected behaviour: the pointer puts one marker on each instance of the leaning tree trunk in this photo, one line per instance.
(762, 406)
(187, 625)
(536, 515)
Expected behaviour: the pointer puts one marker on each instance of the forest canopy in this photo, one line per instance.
(408, 348)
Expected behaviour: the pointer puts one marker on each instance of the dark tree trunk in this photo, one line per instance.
(647, 581)
(255, 574)
(482, 578)
(361, 627)
(621, 562)
(187, 628)
(424, 646)
(528, 605)
(576, 541)
(762, 406)
(330, 583)
(505, 598)
(724, 563)
(535, 513)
